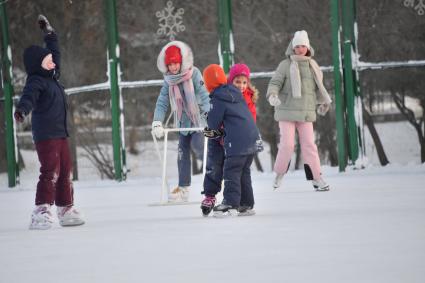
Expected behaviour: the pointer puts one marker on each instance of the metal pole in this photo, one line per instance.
(349, 80)
(339, 98)
(116, 99)
(11, 151)
(224, 8)
(359, 98)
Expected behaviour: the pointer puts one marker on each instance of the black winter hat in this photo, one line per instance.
(33, 56)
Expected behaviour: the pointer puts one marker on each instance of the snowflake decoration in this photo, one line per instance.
(170, 24)
(420, 7)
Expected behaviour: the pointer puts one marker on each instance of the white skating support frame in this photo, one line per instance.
(165, 189)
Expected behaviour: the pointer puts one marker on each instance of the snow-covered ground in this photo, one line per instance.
(369, 228)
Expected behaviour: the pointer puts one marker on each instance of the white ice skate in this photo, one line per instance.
(41, 218)
(277, 181)
(320, 185)
(179, 194)
(69, 216)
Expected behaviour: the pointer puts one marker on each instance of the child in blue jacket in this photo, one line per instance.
(184, 90)
(230, 117)
(239, 76)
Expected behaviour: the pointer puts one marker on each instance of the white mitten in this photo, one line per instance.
(157, 129)
(323, 109)
(274, 100)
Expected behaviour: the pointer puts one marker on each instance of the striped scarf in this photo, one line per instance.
(186, 102)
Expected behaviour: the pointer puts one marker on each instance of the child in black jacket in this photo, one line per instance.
(241, 141)
(45, 97)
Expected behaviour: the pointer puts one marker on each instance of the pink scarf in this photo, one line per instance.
(186, 102)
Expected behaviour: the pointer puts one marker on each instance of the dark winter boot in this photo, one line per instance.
(207, 205)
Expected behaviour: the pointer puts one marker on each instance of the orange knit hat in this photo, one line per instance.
(214, 77)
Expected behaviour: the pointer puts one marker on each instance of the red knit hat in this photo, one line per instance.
(238, 70)
(214, 77)
(173, 55)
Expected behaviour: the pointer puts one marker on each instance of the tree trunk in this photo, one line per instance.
(298, 155)
(410, 116)
(375, 137)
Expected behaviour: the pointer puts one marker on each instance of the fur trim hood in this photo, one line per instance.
(186, 52)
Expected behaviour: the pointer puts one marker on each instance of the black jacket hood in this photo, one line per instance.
(33, 57)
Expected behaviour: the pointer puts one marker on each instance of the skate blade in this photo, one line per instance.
(38, 226)
(71, 222)
(225, 214)
(206, 211)
(325, 189)
(247, 213)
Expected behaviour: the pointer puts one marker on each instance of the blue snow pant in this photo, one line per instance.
(214, 168)
(237, 181)
(196, 142)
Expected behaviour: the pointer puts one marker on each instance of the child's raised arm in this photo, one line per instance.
(51, 40)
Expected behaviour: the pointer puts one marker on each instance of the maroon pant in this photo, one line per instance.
(54, 185)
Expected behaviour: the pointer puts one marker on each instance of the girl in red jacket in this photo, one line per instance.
(238, 76)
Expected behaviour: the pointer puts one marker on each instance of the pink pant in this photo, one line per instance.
(309, 152)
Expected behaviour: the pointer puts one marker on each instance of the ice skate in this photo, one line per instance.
(41, 218)
(246, 210)
(179, 194)
(69, 216)
(224, 210)
(277, 181)
(207, 205)
(320, 185)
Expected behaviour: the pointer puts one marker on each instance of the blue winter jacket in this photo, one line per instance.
(43, 94)
(201, 93)
(228, 108)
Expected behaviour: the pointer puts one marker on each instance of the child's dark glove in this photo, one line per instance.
(259, 144)
(44, 24)
(213, 134)
(19, 115)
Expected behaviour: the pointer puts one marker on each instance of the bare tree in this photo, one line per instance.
(375, 137)
(417, 123)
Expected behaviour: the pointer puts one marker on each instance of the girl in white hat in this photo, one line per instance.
(296, 91)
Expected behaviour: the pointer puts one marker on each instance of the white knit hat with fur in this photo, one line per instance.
(301, 38)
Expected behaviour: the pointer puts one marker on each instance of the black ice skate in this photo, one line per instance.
(245, 210)
(224, 210)
(207, 205)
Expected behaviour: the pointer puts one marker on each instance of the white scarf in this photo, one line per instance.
(294, 73)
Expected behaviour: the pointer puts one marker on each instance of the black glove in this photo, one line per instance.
(19, 115)
(44, 24)
(259, 144)
(213, 134)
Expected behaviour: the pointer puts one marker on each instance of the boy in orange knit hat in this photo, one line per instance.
(241, 139)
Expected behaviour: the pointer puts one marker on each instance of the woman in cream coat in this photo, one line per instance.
(296, 90)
